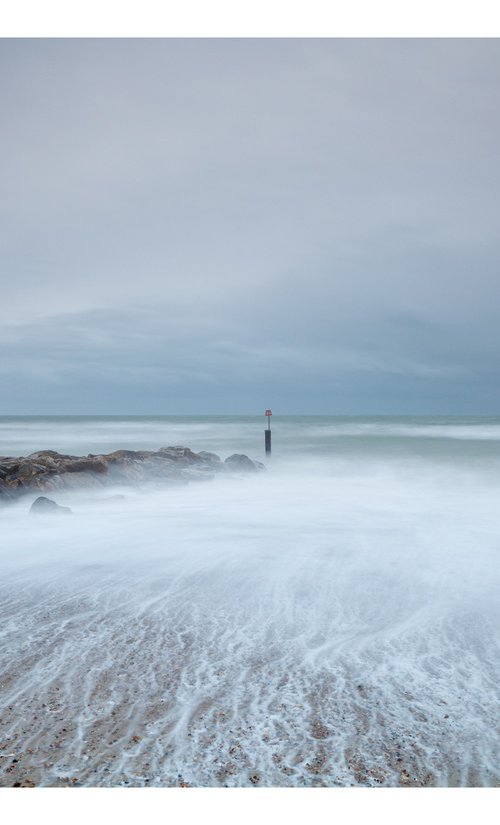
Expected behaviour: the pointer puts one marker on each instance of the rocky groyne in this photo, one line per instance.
(48, 470)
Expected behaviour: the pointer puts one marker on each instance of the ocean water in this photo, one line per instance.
(333, 621)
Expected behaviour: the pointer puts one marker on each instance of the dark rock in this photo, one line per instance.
(48, 470)
(45, 455)
(125, 455)
(46, 505)
(183, 454)
(243, 464)
(85, 465)
(6, 492)
(68, 480)
(50, 460)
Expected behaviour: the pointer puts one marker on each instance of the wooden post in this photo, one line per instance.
(267, 433)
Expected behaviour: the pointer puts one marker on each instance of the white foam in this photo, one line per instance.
(310, 626)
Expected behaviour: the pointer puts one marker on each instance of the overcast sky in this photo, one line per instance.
(221, 226)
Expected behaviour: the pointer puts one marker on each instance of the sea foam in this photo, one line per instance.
(330, 622)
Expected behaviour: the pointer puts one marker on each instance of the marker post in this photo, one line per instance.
(267, 433)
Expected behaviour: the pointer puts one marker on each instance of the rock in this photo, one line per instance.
(92, 464)
(45, 471)
(6, 492)
(183, 454)
(243, 464)
(213, 461)
(46, 505)
(50, 460)
(124, 455)
(69, 481)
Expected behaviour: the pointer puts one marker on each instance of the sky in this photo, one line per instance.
(222, 226)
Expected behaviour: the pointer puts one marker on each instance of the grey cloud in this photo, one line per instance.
(146, 363)
(259, 217)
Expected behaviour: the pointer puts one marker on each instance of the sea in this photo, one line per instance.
(331, 621)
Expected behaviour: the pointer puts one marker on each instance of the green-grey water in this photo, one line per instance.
(426, 436)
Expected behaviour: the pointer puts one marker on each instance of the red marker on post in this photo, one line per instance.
(267, 432)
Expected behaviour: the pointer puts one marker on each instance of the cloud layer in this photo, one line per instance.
(219, 226)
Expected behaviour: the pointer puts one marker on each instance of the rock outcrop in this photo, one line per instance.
(46, 505)
(242, 464)
(48, 470)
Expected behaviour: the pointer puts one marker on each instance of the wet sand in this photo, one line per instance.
(103, 688)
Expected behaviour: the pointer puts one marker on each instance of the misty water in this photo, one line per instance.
(333, 621)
